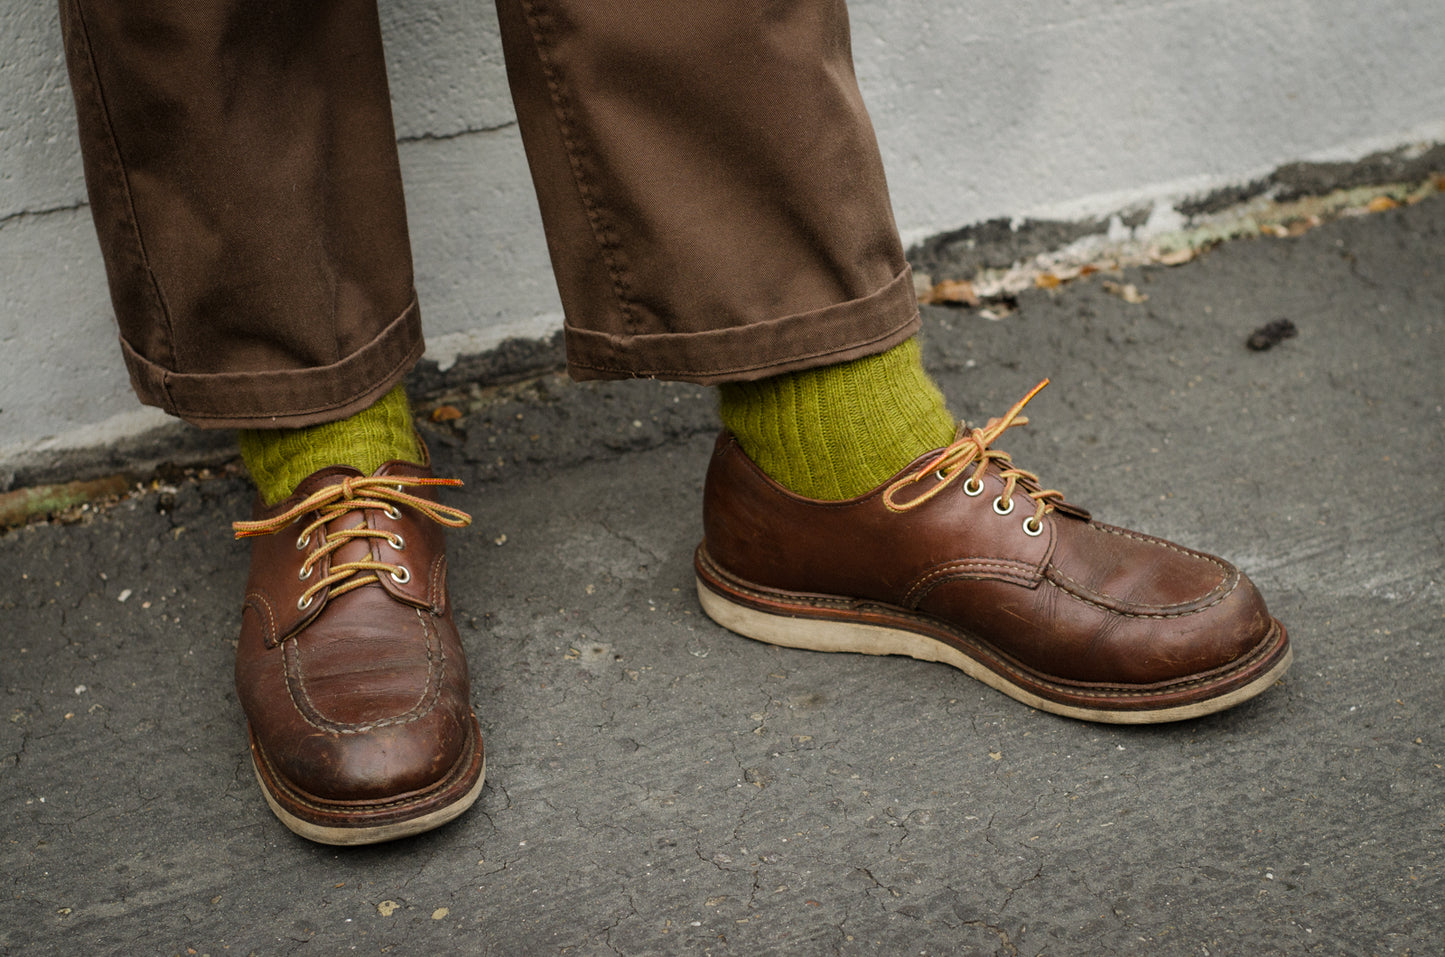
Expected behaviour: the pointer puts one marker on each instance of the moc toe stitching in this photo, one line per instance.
(1077, 591)
(306, 707)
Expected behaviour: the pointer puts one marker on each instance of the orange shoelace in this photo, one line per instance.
(335, 501)
(972, 447)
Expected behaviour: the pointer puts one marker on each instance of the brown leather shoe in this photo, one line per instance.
(964, 558)
(349, 668)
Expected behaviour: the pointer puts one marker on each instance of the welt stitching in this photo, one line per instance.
(295, 796)
(999, 664)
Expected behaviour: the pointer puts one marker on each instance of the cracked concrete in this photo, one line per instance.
(660, 786)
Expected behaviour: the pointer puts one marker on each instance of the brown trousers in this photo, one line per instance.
(708, 178)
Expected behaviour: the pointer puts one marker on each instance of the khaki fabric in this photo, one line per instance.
(713, 198)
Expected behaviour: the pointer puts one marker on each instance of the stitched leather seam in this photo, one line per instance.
(563, 113)
(438, 569)
(958, 571)
(1054, 574)
(263, 606)
(436, 653)
(1151, 540)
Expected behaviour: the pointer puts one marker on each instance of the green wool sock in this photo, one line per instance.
(279, 459)
(838, 431)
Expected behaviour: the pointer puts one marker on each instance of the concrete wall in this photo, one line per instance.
(1038, 108)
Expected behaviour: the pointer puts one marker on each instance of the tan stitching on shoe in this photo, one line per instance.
(263, 606)
(1063, 581)
(1019, 573)
(1150, 539)
(436, 678)
(434, 586)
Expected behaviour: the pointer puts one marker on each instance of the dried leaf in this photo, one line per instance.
(1126, 291)
(951, 292)
(1381, 203)
(1047, 280)
(998, 309)
(1276, 230)
(1175, 257)
(445, 413)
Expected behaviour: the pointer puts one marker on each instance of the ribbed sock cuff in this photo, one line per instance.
(838, 431)
(280, 459)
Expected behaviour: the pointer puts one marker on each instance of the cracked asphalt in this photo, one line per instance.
(660, 786)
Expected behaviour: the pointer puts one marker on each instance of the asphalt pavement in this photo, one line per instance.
(657, 785)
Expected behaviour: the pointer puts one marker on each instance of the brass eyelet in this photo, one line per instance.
(1000, 508)
(973, 487)
(396, 541)
(392, 513)
(303, 603)
(305, 572)
(403, 578)
(1033, 528)
(303, 541)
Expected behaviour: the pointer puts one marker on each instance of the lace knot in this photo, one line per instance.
(334, 501)
(974, 447)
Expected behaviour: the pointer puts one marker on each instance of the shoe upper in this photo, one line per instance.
(354, 692)
(1047, 588)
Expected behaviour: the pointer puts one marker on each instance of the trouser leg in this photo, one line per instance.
(711, 187)
(242, 170)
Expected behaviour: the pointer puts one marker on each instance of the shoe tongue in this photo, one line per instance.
(355, 550)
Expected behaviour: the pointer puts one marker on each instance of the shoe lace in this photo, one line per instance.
(335, 501)
(973, 447)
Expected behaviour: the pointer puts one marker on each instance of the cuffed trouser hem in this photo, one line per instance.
(286, 398)
(849, 330)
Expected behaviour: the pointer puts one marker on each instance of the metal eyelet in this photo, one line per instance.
(1002, 511)
(397, 542)
(392, 513)
(403, 578)
(303, 603)
(303, 541)
(1033, 528)
(305, 572)
(973, 487)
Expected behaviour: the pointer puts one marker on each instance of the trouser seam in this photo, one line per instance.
(120, 175)
(605, 237)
